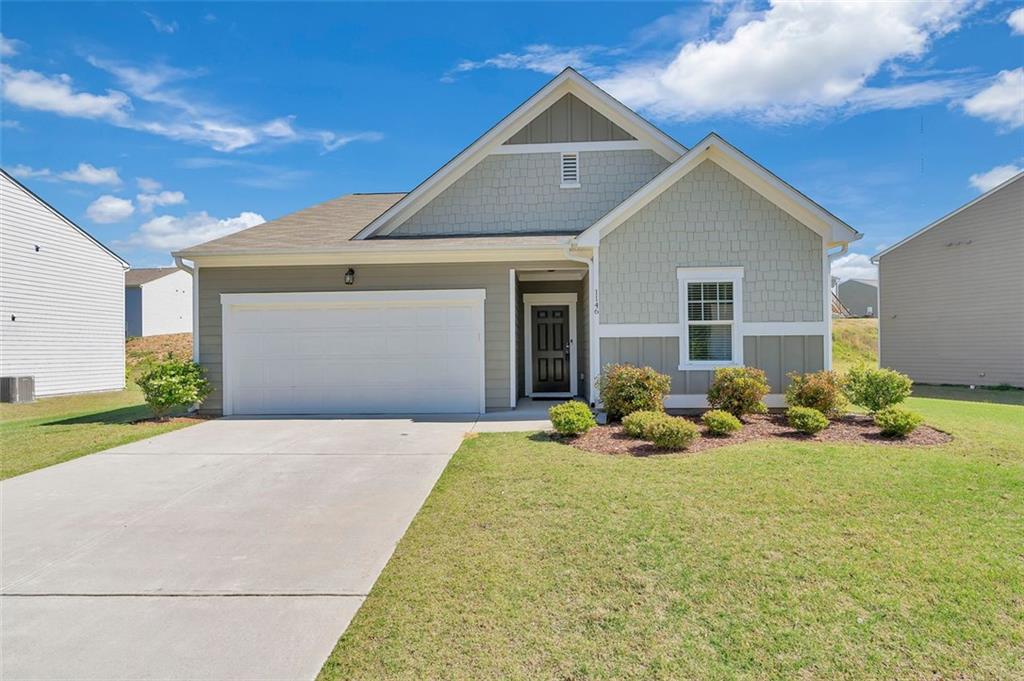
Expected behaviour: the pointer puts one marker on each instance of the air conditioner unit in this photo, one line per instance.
(17, 388)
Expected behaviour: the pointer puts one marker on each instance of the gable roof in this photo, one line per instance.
(144, 275)
(64, 218)
(866, 282)
(833, 230)
(938, 222)
(567, 81)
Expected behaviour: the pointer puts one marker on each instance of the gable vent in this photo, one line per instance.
(570, 170)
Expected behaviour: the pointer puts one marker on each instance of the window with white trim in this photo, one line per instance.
(710, 312)
(570, 170)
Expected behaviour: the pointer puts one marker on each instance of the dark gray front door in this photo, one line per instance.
(551, 349)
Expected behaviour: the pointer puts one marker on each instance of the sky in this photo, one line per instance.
(155, 126)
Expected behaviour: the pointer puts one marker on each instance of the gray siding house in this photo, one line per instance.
(952, 295)
(571, 235)
(860, 296)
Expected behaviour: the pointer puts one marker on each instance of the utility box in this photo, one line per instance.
(17, 388)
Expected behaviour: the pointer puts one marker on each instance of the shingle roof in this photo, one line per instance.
(146, 274)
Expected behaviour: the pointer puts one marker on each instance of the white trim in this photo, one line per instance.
(529, 301)
(546, 275)
(938, 222)
(410, 254)
(512, 373)
(826, 275)
(561, 147)
(195, 312)
(713, 147)
(232, 301)
(686, 275)
(595, 324)
(565, 82)
(784, 328)
(774, 401)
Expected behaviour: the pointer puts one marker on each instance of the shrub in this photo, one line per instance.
(897, 421)
(672, 434)
(173, 383)
(739, 390)
(637, 423)
(571, 418)
(625, 389)
(806, 420)
(822, 390)
(720, 422)
(876, 389)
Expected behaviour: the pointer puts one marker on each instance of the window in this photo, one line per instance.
(710, 304)
(570, 170)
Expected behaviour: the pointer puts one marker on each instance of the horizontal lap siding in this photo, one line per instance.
(492, 277)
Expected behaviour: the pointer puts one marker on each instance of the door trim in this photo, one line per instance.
(230, 302)
(529, 301)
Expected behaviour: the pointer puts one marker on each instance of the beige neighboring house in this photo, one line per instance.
(157, 301)
(571, 235)
(952, 295)
(859, 296)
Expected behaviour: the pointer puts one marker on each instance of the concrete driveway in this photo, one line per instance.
(235, 549)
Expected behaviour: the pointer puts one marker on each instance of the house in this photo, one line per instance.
(157, 301)
(570, 235)
(951, 309)
(61, 299)
(860, 296)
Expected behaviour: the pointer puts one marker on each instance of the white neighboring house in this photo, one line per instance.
(157, 301)
(61, 299)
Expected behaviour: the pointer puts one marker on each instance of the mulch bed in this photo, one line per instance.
(184, 418)
(854, 429)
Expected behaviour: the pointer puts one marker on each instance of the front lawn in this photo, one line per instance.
(532, 559)
(57, 429)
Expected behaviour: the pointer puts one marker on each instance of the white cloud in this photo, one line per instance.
(854, 266)
(160, 25)
(169, 232)
(9, 46)
(87, 173)
(994, 177)
(34, 90)
(11, 124)
(1002, 102)
(547, 59)
(164, 198)
(107, 209)
(27, 172)
(1016, 21)
(148, 184)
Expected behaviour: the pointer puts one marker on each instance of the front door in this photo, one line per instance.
(551, 348)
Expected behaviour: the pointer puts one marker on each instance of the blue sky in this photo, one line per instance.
(156, 125)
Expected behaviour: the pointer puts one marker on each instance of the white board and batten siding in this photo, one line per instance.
(61, 300)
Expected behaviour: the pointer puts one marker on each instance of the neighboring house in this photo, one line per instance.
(61, 299)
(952, 295)
(571, 235)
(157, 301)
(860, 296)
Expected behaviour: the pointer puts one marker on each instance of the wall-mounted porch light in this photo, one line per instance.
(350, 277)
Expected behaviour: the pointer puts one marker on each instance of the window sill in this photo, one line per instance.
(569, 186)
(705, 366)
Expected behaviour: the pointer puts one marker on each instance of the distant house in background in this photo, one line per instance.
(859, 296)
(61, 299)
(952, 295)
(157, 301)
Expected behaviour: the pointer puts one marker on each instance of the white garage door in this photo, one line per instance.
(367, 352)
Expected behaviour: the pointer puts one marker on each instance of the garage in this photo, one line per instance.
(354, 352)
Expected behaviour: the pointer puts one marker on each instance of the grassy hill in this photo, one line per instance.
(854, 341)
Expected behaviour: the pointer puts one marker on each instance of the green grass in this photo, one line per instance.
(58, 429)
(531, 559)
(854, 341)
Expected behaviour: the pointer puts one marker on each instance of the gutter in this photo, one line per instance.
(180, 264)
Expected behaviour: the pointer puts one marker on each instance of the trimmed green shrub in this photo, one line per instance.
(637, 423)
(875, 389)
(672, 434)
(625, 389)
(720, 422)
(821, 390)
(571, 418)
(806, 420)
(739, 390)
(897, 421)
(173, 383)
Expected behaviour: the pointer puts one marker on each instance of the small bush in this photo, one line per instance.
(637, 423)
(625, 389)
(173, 383)
(806, 420)
(739, 390)
(672, 434)
(822, 390)
(876, 389)
(571, 418)
(897, 421)
(720, 422)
